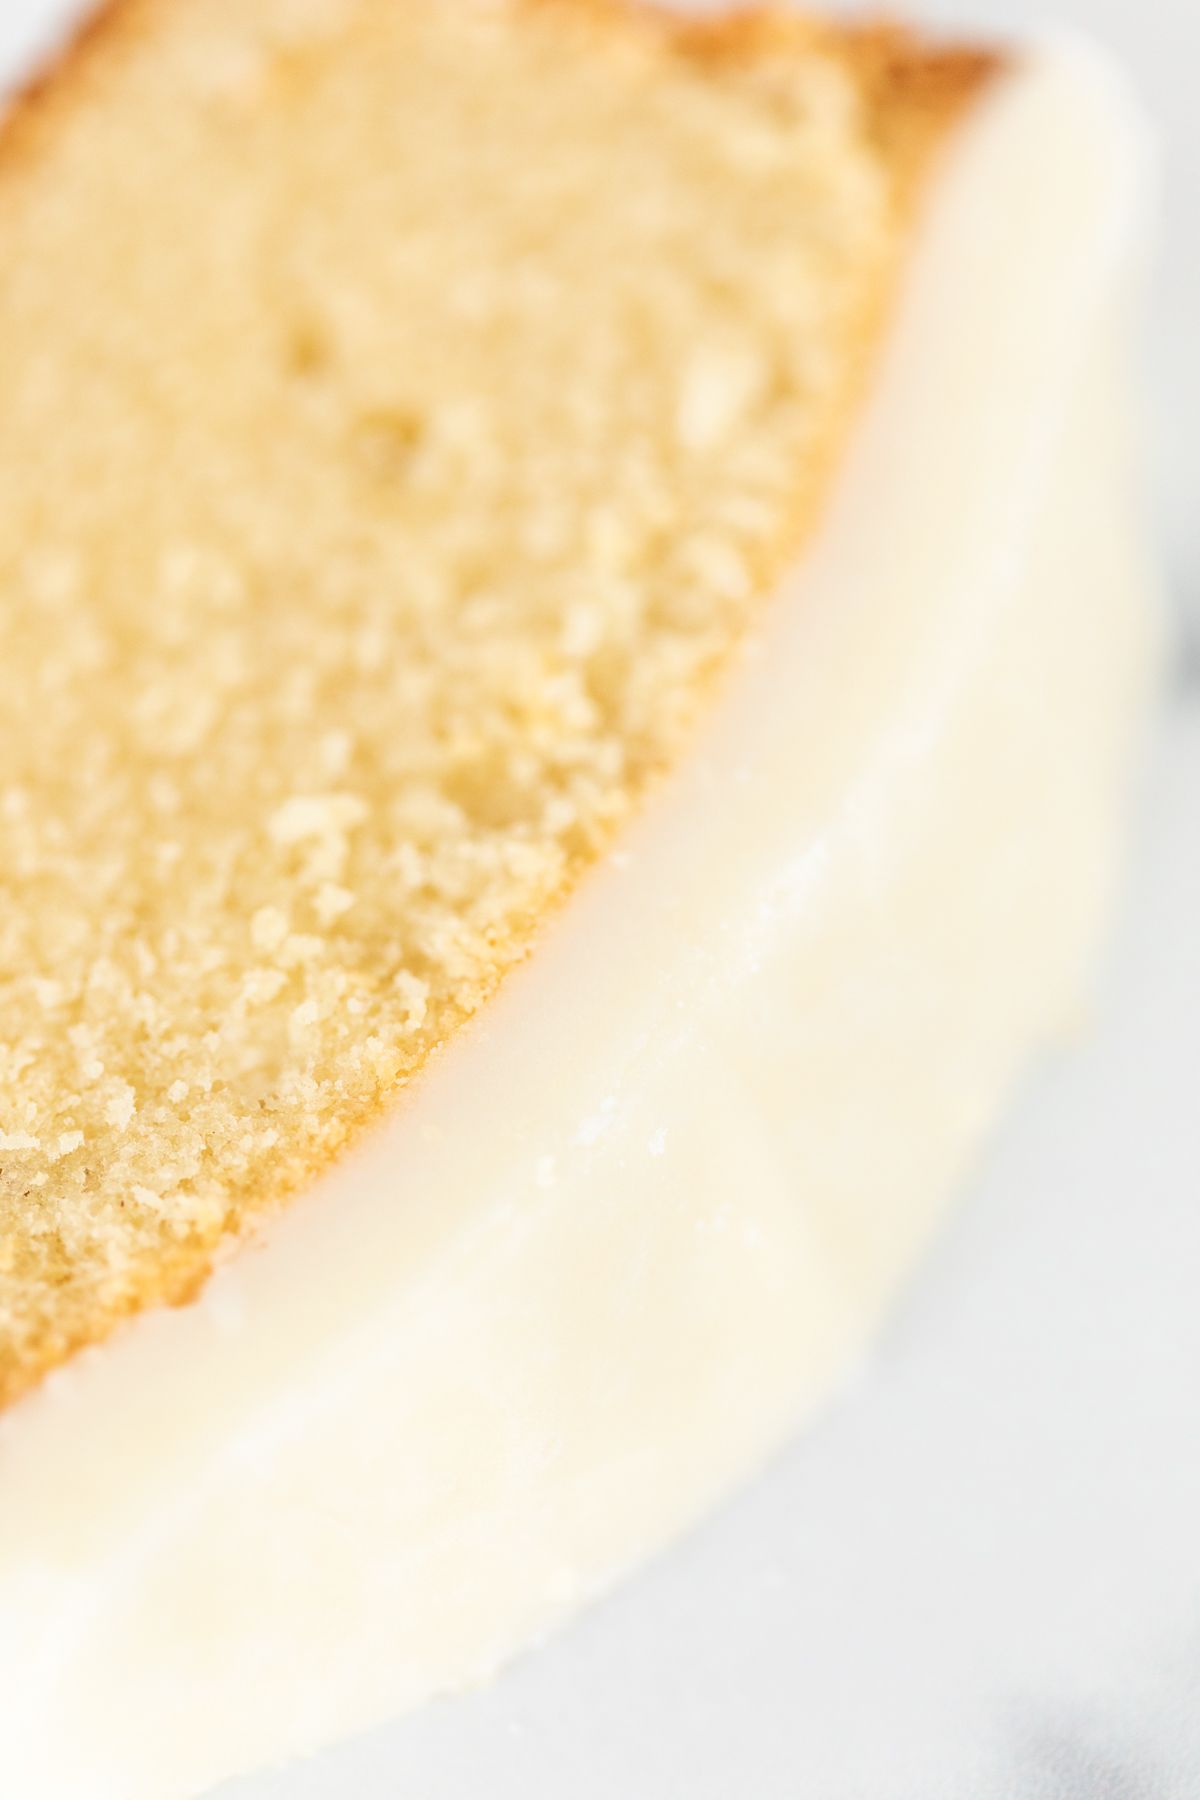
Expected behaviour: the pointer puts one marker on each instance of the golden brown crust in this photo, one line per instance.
(915, 85)
(913, 92)
(51, 89)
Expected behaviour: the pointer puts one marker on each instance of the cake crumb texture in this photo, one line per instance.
(404, 411)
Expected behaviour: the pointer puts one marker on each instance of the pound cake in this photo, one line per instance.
(572, 621)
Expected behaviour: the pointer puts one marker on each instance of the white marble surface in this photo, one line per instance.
(979, 1579)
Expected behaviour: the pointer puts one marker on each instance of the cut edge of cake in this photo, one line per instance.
(511, 1390)
(915, 90)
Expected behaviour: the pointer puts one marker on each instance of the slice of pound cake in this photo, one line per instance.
(570, 628)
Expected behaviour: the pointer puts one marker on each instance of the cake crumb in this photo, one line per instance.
(368, 551)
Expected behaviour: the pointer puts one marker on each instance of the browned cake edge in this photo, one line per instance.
(915, 88)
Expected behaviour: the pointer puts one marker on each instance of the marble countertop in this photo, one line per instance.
(979, 1577)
